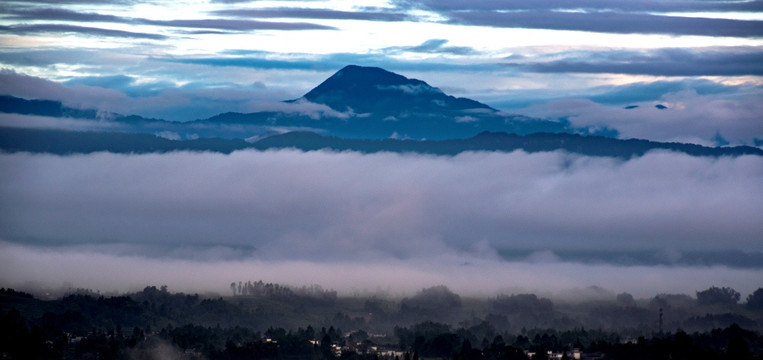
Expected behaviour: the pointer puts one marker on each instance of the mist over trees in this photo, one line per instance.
(274, 321)
(262, 289)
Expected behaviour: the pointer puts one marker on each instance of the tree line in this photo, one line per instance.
(273, 322)
(273, 290)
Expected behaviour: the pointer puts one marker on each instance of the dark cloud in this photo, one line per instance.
(57, 14)
(78, 2)
(662, 62)
(238, 25)
(589, 5)
(611, 22)
(621, 17)
(313, 13)
(85, 30)
(220, 24)
(434, 46)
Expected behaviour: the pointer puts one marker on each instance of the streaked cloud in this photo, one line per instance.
(228, 24)
(315, 13)
(590, 5)
(433, 46)
(620, 17)
(613, 23)
(84, 30)
(220, 24)
(662, 62)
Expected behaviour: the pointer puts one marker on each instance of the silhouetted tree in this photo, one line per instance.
(625, 299)
(716, 295)
(755, 300)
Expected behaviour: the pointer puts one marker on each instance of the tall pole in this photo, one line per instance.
(660, 320)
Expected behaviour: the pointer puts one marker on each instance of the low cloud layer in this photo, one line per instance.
(35, 268)
(710, 119)
(360, 216)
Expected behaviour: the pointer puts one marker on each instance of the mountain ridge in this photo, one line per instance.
(65, 142)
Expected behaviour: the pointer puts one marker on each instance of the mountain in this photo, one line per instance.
(377, 91)
(373, 103)
(361, 102)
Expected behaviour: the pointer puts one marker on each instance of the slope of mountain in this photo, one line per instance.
(380, 92)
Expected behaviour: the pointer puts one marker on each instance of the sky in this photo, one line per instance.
(659, 223)
(580, 60)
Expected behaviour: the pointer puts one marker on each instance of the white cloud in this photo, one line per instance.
(465, 119)
(689, 117)
(171, 135)
(301, 106)
(381, 204)
(411, 89)
(45, 122)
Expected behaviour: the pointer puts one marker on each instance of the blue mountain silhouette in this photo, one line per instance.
(374, 110)
(378, 91)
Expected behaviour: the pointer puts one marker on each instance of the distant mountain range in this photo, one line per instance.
(367, 109)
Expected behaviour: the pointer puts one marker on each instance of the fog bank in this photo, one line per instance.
(350, 220)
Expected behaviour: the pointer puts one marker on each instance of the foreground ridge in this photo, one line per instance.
(69, 142)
